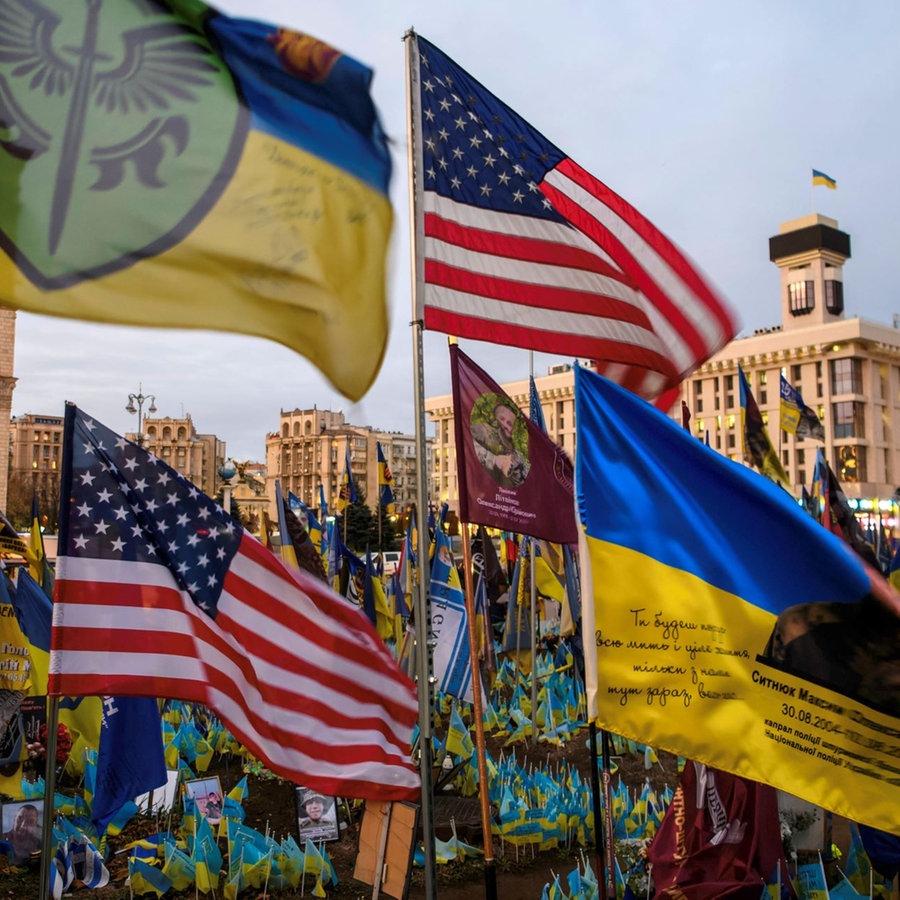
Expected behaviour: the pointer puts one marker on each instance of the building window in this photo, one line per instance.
(801, 476)
(796, 377)
(802, 297)
(763, 393)
(848, 419)
(731, 440)
(834, 297)
(850, 464)
(818, 379)
(846, 376)
(882, 382)
(729, 391)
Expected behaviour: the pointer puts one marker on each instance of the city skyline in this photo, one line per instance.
(708, 118)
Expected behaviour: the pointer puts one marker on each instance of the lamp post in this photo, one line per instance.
(140, 398)
(228, 472)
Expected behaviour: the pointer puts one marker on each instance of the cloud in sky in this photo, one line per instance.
(708, 117)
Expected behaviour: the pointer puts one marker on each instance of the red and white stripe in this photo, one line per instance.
(612, 288)
(295, 673)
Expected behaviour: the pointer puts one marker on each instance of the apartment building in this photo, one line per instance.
(310, 448)
(847, 368)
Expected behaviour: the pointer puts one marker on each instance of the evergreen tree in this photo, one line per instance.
(362, 527)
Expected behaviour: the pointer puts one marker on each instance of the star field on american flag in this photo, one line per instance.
(127, 504)
(476, 149)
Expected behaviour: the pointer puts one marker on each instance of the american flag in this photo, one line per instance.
(523, 247)
(160, 593)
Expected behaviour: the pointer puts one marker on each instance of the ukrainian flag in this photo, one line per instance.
(207, 173)
(823, 179)
(716, 602)
(385, 483)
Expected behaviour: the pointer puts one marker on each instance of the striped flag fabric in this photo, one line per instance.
(519, 245)
(161, 593)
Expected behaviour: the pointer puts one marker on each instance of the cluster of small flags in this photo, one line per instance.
(165, 861)
(190, 856)
(543, 806)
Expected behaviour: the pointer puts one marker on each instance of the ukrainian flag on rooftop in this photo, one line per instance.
(202, 172)
(823, 179)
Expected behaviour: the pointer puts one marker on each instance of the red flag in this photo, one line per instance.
(511, 475)
(720, 837)
(161, 593)
(524, 247)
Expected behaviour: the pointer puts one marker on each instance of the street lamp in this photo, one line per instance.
(140, 398)
(229, 474)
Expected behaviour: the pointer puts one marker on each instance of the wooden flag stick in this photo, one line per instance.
(378, 874)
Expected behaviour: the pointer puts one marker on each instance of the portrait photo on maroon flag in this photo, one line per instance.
(511, 475)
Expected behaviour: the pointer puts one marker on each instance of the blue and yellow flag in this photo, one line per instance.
(254, 154)
(796, 417)
(37, 564)
(308, 518)
(347, 492)
(728, 626)
(288, 554)
(821, 178)
(385, 483)
(758, 447)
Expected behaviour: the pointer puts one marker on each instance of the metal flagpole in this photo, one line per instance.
(490, 869)
(534, 609)
(347, 498)
(600, 825)
(534, 639)
(424, 666)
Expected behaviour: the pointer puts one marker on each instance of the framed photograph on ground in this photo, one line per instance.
(207, 794)
(316, 816)
(21, 822)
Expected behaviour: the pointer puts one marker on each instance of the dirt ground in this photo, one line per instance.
(270, 807)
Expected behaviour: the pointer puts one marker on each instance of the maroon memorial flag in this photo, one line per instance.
(511, 475)
(720, 838)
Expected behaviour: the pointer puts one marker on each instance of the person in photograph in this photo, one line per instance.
(25, 834)
(213, 809)
(317, 815)
(495, 449)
